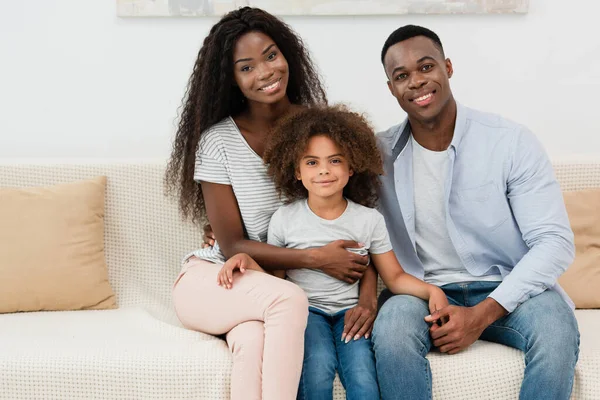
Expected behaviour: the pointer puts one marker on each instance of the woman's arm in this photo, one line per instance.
(224, 215)
(358, 321)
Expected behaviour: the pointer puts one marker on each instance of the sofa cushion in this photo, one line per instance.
(582, 279)
(52, 248)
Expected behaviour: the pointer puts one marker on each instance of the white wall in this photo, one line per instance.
(78, 82)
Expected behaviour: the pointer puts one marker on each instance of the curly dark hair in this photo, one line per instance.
(211, 94)
(350, 131)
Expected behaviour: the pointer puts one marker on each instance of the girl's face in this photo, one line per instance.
(323, 169)
(260, 70)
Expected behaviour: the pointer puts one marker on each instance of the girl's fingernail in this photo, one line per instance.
(367, 336)
(356, 337)
(347, 339)
(343, 336)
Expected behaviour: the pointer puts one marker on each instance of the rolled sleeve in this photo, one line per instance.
(209, 168)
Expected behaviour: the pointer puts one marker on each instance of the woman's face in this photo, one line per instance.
(259, 68)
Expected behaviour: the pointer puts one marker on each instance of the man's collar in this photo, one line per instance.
(403, 132)
(460, 126)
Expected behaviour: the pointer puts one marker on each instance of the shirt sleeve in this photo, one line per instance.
(276, 234)
(380, 240)
(211, 162)
(538, 207)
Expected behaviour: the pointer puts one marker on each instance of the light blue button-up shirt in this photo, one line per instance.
(504, 208)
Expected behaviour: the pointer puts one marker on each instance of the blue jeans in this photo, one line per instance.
(324, 353)
(543, 327)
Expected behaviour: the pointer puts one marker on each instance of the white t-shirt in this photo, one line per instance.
(434, 247)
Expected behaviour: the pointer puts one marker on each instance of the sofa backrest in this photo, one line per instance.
(146, 238)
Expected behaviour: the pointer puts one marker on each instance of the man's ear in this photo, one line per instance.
(449, 68)
(391, 88)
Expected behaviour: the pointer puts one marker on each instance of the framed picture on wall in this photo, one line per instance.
(198, 8)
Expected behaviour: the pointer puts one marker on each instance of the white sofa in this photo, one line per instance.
(140, 351)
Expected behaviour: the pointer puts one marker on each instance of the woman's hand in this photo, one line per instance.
(339, 263)
(240, 262)
(208, 238)
(358, 321)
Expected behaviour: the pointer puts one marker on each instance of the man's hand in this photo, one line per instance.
(339, 263)
(464, 326)
(209, 237)
(240, 262)
(358, 321)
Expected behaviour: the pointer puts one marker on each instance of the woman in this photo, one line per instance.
(251, 70)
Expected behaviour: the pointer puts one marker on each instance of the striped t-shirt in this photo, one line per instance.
(225, 157)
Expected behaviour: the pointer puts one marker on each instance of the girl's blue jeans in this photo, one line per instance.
(325, 353)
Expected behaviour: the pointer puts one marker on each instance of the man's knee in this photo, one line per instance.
(555, 333)
(400, 323)
(401, 314)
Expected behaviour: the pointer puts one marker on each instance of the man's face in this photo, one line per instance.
(418, 77)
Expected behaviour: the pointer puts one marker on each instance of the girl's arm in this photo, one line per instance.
(224, 215)
(398, 281)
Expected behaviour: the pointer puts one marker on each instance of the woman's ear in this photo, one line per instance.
(350, 172)
(298, 176)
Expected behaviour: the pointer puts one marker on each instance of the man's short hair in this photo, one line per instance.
(410, 31)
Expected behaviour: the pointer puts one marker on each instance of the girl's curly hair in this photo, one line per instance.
(212, 96)
(348, 130)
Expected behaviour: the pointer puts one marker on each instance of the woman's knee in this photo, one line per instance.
(247, 340)
(294, 301)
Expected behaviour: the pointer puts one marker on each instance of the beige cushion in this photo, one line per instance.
(582, 279)
(52, 248)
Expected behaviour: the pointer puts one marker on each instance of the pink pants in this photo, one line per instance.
(264, 318)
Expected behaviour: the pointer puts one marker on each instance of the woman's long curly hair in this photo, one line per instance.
(351, 133)
(211, 94)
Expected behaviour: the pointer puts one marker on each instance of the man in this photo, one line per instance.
(472, 205)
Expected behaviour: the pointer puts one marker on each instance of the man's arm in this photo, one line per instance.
(537, 205)
(539, 210)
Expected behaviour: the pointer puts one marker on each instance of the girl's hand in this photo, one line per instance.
(208, 238)
(240, 262)
(358, 321)
(437, 301)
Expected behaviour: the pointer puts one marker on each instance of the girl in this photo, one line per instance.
(251, 70)
(326, 163)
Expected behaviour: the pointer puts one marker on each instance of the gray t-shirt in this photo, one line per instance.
(295, 226)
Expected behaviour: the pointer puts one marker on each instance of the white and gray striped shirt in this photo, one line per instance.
(225, 157)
